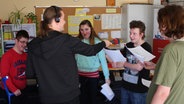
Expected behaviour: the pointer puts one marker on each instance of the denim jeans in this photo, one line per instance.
(129, 97)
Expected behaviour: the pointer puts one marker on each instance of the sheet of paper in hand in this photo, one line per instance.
(141, 54)
(115, 55)
(107, 91)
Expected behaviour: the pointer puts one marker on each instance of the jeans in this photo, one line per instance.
(129, 97)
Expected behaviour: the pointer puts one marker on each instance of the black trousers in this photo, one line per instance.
(73, 101)
(89, 90)
(21, 99)
(3, 96)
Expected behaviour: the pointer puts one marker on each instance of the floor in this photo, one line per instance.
(115, 86)
(32, 95)
(34, 99)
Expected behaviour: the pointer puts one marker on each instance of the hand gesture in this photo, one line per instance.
(120, 64)
(149, 65)
(139, 66)
(108, 81)
(17, 92)
(107, 43)
(117, 64)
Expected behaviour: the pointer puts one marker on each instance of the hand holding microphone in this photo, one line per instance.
(115, 41)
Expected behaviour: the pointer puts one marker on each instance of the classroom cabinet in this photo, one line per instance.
(158, 46)
(8, 33)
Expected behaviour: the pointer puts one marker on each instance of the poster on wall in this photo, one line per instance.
(74, 21)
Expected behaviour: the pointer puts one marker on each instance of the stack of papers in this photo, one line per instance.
(141, 54)
(115, 55)
(107, 91)
(146, 82)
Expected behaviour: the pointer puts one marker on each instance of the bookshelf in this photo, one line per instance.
(8, 33)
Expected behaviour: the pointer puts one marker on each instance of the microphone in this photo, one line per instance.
(115, 41)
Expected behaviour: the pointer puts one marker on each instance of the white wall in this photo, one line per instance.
(145, 14)
(8, 6)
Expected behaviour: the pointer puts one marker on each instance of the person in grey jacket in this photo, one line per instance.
(51, 58)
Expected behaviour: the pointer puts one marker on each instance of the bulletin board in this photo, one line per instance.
(105, 20)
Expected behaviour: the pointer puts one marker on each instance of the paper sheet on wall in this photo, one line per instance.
(74, 21)
(141, 54)
(31, 29)
(111, 21)
(115, 55)
(115, 34)
(81, 11)
(103, 35)
(111, 10)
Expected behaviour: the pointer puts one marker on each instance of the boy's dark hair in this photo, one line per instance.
(171, 17)
(22, 33)
(140, 25)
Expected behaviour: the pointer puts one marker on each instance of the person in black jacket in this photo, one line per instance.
(51, 58)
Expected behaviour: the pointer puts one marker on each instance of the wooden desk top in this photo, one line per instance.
(116, 69)
(112, 69)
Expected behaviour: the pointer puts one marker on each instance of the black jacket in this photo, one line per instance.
(52, 60)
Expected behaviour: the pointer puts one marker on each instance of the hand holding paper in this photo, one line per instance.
(107, 91)
(115, 55)
(145, 82)
(141, 54)
(149, 65)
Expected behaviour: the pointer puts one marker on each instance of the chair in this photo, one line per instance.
(9, 94)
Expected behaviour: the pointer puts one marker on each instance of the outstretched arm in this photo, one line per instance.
(149, 65)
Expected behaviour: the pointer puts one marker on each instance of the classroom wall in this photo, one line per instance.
(7, 6)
